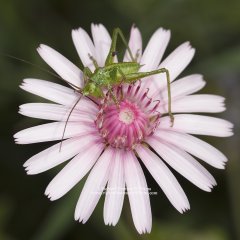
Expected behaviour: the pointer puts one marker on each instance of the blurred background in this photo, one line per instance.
(212, 27)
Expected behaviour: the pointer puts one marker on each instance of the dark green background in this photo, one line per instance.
(212, 27)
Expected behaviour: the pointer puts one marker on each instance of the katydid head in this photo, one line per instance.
(91, 89)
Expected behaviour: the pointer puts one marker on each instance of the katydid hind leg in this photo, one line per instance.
(130, 78)
(112, 52)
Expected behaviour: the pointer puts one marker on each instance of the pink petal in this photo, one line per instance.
(194, 146)
(155, 49)
(62, 66)
(197, 124)
(164, 178)
(84, 46)
(137, 193)
(54, 131)
(57, 112)
(94, 186)
(184, 163)
(135, 44)
(115, 190)
(196, 103)
(74, 171)
(55, 155)
(102, 42)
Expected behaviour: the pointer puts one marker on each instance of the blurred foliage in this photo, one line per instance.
(212, 26)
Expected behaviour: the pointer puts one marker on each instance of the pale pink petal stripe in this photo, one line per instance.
(194, 146)
(135, 44)
(102, 42)
(58, 153)
(182, 87)
(55, 112)
(197, 124)
(195, 103)
(164, 178)
(94, 186)
(51, 91)
(84, 46)
(115, 190)
(175, 63)
(62, 66)
(137, 193)
(184, 163)
(155, 49)
(54, 131)
(74, 171)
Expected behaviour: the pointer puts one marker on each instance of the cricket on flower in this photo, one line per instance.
(119, 112)
(114, 75)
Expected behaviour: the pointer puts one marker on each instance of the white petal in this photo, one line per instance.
(175, 63)
(57, 112)
(58, 154)
(196, 103)
(54, 131)
(197, 124)
(155, 49)
(194, 146)
(94, 187)
(61, 65)
(115, 190)
(164, 178)
(51, 91)
(178, 60)
(184, 163)
(137, 193)
(102, 42)
(184, 86)
(135, 45)
(84, 46)
(73, 172)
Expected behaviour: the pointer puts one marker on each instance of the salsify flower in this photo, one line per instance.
(111, 140)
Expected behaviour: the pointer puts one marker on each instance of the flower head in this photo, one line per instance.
(110, 135)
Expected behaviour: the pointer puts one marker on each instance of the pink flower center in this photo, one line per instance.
(129, 119)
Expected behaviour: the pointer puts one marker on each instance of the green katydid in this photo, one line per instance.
(114, 74)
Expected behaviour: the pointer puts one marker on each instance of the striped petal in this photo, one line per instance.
(184, 163)
(84, 46)
(196, 103)
(197, 124)
(137, 193)
(93, 187)
(175, 63)
(54, 131)
(115, 190)
(135, 45)
(50, 91)
(164, 178)
(73, 172)
(155, 49)
(61, 65)
(58, 154)
(57, 112)
(183, 87)
(102, 42)
(194, 146)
